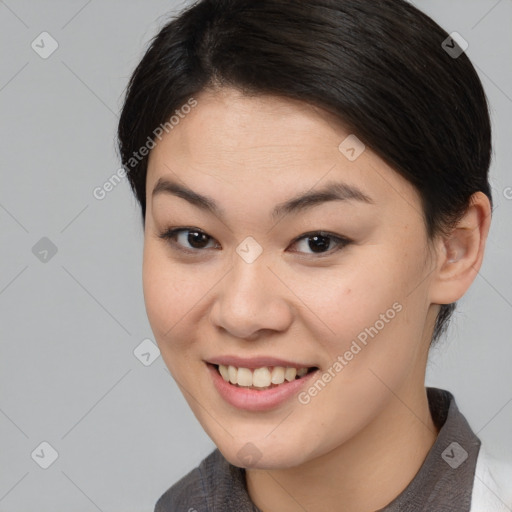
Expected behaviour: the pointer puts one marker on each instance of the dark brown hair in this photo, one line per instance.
(378, 65)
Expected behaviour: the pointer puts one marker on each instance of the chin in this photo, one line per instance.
(264, 454)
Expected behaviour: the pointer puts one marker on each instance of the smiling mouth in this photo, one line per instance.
(266, 377)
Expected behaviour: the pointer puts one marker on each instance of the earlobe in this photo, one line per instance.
(460, 254)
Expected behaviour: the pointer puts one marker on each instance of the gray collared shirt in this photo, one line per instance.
(444, 483)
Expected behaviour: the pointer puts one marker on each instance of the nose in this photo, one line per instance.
(251, 301)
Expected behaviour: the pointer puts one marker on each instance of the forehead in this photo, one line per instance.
(230, 142)
(226, 121)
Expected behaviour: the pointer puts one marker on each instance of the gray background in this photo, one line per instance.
(69, 325)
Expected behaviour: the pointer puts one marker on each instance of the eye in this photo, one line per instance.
(193, 240)
(188, 239)
(320, 242)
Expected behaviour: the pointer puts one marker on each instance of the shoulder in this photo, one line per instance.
(492, 488)
(192, 492)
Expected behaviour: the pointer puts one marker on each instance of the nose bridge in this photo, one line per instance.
(250, 272)
(248, 284)
(250, 298)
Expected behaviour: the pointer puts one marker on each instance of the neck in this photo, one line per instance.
(364, 474)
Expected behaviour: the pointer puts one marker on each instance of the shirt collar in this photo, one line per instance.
(443, 483)
(445, 480)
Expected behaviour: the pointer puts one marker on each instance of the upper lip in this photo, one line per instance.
(256, 362)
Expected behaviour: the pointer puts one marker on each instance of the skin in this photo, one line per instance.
(370, 427)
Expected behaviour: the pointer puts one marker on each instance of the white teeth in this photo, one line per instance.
(244, 377)
(290, 374)
(260, 377)
(224, 372)
(277, 375)
(302, 372)
(232, 374)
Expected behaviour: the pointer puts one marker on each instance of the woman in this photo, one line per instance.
(313, 178)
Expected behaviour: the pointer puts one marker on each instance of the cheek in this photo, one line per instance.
(169, 295)
(347, 296)
(366, 299)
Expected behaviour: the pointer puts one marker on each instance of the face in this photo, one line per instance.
(268, 247)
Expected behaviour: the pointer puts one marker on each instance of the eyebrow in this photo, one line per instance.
(331, 191)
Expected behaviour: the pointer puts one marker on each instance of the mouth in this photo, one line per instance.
(262, 378)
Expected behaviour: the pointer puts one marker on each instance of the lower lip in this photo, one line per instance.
(253, 399)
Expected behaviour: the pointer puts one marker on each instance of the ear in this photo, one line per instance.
(460, 254)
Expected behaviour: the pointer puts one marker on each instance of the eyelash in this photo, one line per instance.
(171, 233)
